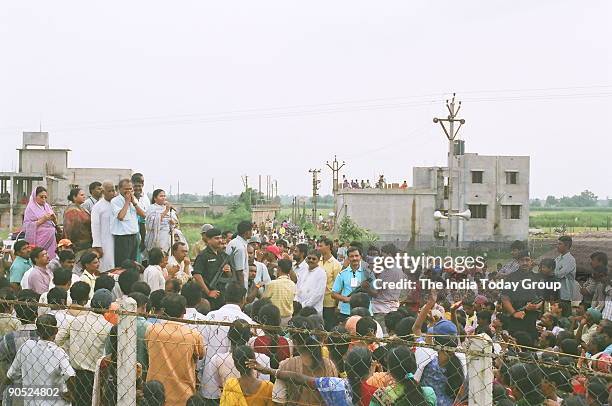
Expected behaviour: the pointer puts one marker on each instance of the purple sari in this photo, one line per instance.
(43, 235)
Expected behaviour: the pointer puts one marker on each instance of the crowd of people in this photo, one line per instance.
(307, 321)
(365, 184)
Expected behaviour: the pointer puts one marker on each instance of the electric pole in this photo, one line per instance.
(335, 167)
(212, 191)
(315, 188)
(245, 182)
(451, 134)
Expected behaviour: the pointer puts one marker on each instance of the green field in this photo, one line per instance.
(575, 218)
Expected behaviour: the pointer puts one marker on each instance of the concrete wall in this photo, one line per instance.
(388, 212)
(495, 193)
(84, 176)
(45, 161)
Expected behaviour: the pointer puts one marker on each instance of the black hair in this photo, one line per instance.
(244, 227)
(360, 300)
(241, 355)
(35, 253)
(285, 265)
(548, 263)
(360, 311)
(65, 255)
(600, 341)
(403, 329)
(192, 292)
(156, 193)
(569, 346)
(39, 190)
(141, 287)
(601, 257)
(308, 311)
(73, 193)
(527, 378)
(338, 346)
(57, 296)
(88, 258)
(269, 315)
(307, 342)
(567, 240)
(46, 326)
(79, 292)
(174, 305)
(6, 294)
(155, 300)
(27, 312)
(62, 276)
(239, 333)
(282, 243)
(234, 292)
(303, 249)
(104, 281)
(19, 245)
(177, 245)
(597, 388)
(358, 363)
(256, 307)
(401, 362)
(175, 285)
(352, 249)
(136, 178)
(326, 241)
(93, 185)
(155, 256)
(366, 326)
(126, 280)
(140, 298)
(154, 394)
(517, 245)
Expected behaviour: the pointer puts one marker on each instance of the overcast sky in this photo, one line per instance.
(195, 90)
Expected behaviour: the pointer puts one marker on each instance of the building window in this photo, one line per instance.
(479, 211)
(476, 176)
(445, 192)
(511, 211)
(511, 178)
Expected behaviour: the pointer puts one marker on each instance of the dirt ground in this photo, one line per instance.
(584, 244)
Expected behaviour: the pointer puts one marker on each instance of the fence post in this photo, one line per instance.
(480, 371)
(126, 354)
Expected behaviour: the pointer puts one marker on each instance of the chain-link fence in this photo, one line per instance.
(118, 356)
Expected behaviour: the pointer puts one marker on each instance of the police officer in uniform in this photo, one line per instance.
(209, 263)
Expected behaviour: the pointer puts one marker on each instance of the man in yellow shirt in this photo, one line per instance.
(332, 269)
(281, 291)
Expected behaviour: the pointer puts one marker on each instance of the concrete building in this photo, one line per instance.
(40, 165)
(494, 188)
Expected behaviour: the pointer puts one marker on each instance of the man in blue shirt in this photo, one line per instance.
(355, 278)
(21, 263)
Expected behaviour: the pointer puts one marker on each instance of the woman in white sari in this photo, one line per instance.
(161, 219)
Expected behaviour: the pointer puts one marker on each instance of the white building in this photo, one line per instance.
(494, 188)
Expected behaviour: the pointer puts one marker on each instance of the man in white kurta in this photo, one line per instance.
(101, 218)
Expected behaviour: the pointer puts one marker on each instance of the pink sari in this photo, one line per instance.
(43, 235)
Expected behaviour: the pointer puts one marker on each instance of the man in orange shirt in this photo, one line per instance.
(174, 349)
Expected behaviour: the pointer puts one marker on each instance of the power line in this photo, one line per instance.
(329, 108)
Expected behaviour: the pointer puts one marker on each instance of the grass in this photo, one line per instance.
(580, 219)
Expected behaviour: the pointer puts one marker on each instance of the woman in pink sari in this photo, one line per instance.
(39, 222)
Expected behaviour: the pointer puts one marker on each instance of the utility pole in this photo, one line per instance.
(451, 134)
(315, 188)
(212, 191)
(335, 167)
(245, 182)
